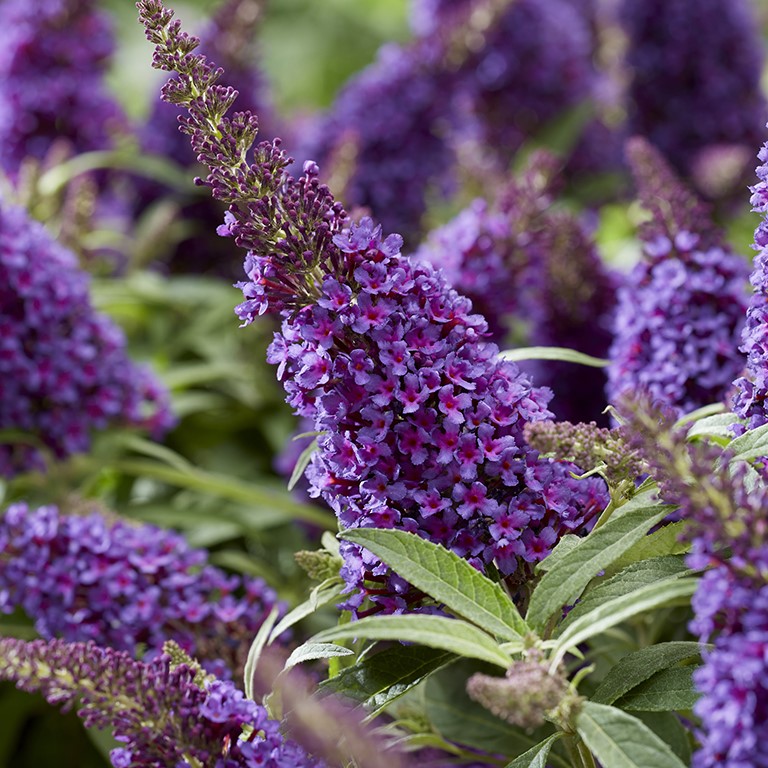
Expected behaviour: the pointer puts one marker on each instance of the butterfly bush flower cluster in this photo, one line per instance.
(421, 424)
(728, 528)
(125, 585)
(164, 714)
(534, 65)
(524, 263)
(64, 370)
(53, 57)
(682, 309)
(694, 68)
(751, 390)
(391, 118)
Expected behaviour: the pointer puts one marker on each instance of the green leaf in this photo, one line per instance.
(452, 635)
(301, 465)
(665, 541)
(311, 651)
(628, 580)
(228, 488)
(564, 582)
(701, 414)
(446, 577)
(666, 691)
(321, 595)
(562, 548)
(536, 757)
(671, 591)
(667, 726)
(378, 680)
(561, 354)
(719, 427)
(750, 445)
(637, 667)
(619, 740)
(254, 652)
(457, 718)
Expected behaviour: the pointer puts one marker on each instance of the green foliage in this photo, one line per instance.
(565, 581)
(447, 578)
(621, 740)
(378, 680)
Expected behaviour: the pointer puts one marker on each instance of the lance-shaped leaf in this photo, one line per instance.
(561, 354)
(669, 690)
(619, 740)
(637, 667)
(672, 591)
(312, 651)
(566, 580)
(634, 577)
(452, 635)
(378, 680)
(446, 577)
(536, 757)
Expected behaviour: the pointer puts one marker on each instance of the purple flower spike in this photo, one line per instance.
(524, 263)
(681, 311)
(53, 57)
(752, 389)
(433, 374)
(63, 366)
(682, 98)
(125, 585)
(163, 713)
(728, 523)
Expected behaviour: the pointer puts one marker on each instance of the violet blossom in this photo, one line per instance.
(64, 371)
(162, 713)
(681, 310)
(125, 585)
(695, 76)
(421, 422)
(53, 58)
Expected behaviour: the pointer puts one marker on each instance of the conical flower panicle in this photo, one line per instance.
(421, 423)
(752, 389)
(64, 370)
(523, 262)
(681, 310)
(53, 58)
(728, 527)
(156, 709)
(681, 97)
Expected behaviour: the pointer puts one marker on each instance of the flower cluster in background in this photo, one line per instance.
(64, 369)
(682, 309)
(694, 69)
(126, 585)
(53, 57)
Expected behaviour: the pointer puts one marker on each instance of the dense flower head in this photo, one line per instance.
(681, 310)
(525, 264)
(64, 370)
(125, 585)
(391, 117)
(160, 711)
(421, 422)
(728, 523)
(53, 57)
(534, 65)
(752, 389)
(682, 95)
